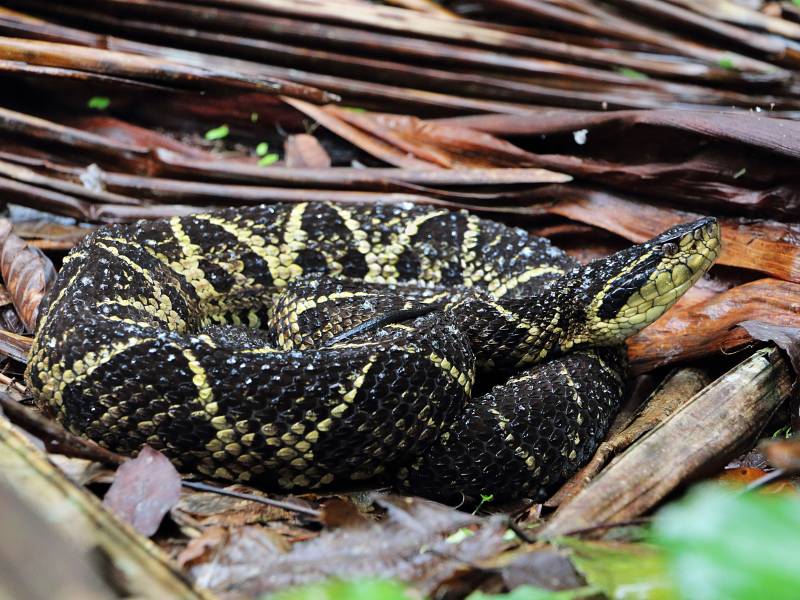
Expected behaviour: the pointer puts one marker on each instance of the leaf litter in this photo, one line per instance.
(460, 108)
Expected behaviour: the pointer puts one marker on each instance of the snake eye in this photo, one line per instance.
(669, 249)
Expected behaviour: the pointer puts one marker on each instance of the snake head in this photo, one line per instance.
(625, 292)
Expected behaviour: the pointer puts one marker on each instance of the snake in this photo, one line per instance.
(313, 345)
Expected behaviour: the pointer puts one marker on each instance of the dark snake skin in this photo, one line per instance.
(307, 345)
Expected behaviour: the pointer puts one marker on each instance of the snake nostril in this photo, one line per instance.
(711, 228)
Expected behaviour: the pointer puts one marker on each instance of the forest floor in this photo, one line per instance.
(595, 124)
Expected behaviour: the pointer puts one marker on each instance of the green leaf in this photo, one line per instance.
(528, 592)
(99, 102)
(485, 498)
(262, 148)
(726, 62)
(622, 571)
(366, 589)
(218, 133)
(786, 430)
(268, 159)
(737, 547)
(254, 117)
(632, 73)
(739, 173)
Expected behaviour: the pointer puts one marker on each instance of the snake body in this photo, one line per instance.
(307, 345)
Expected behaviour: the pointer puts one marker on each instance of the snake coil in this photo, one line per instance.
(312, 344)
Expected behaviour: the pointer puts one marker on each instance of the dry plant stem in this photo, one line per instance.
(303, 510)
(128, 65)
(673, 392)
(770, 477)
(13, 387)
(171, 163)
(79, 516)
(461, 30)
(15, 346)
(703, 434)
(375, 146)
(57, 439)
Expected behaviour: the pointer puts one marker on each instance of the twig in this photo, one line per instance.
(56, 439)
(770, 477)
(519, 532)
(303, 510)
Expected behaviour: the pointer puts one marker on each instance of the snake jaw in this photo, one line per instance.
(631, 289)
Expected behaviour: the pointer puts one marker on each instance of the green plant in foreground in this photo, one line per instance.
(722, 545)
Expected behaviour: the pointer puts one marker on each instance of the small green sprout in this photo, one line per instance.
(268, 159)
(217, 133)
(631, 73)
(99, 102)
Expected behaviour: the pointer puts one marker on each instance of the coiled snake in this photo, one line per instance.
(304, 345)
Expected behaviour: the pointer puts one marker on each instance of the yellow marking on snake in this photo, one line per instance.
(465, 380)
(280, 258)
(64, 289)
(104, 354)
(188, 266)
(118, 319)
(468, 254)
(512, 441)
(499, 288)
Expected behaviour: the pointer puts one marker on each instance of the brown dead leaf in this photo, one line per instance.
(27, 272)
(709, 327)
(47, 235)
(15, 346)
(743, 476)
(368, 143)
(448, 146)
(208, 509)
(411, 545)
(546, 569)
(144, 490)
(783, 453)
(786, 338)
(226, 563)
(341, 512)
(304, 151)
(200, 548)
(766, 246)
(5, 296)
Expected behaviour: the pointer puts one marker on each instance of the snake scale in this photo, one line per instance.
(305, 345)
